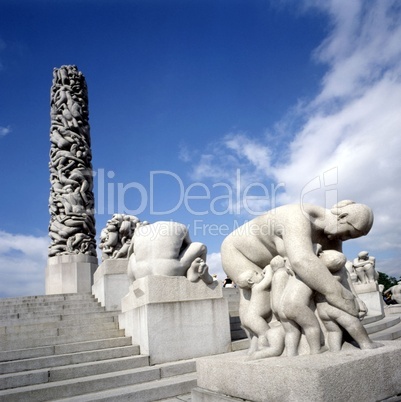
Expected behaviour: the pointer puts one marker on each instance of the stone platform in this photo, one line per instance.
(351, 375)
(369, 293)
(70, 274)
(171, 318)
(111, 283)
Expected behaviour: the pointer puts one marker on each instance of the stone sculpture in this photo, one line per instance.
(71, 202)
(364, 267)
(395, 292)
(115, 238)
(295, 312)
(352, 273)
(165, 248)
(332, 317)
(256, 313)
(285, 238)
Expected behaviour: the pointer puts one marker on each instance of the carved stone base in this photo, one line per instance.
(369, 293)
(171, 318)
(70, 274)
(352, 375)
(111, 283)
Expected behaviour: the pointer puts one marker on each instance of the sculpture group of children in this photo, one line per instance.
(281, 307)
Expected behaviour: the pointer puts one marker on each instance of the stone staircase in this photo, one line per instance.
(67, 347)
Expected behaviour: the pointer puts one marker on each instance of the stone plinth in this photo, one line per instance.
(111, 283)
(352, 375)
(70, 274)
(369, 293)
(171, 318)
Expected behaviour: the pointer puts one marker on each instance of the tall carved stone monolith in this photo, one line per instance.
(72, 252)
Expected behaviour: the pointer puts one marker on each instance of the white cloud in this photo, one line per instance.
(184, 153)
(23, 259)
(243, 164)
(4, 130)
(350, 144)
(353, 123)
(254, 152)
(215, 267)
(364, 43)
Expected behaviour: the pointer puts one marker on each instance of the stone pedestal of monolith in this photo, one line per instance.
(111, 283)
(369, 293)
(70, 274)
(350, 375)
(171, 318)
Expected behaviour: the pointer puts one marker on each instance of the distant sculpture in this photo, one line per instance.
(71, 201)
(351, 271)
(291, 232)
(364, 266)
(115, 238)
(395, 292)
(165, 248)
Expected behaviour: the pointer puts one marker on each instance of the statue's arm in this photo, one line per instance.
(347, 283)
(297, 238)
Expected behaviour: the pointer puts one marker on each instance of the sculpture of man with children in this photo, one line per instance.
(292, 277)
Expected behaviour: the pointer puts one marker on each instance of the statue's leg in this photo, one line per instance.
(275, 336)
(357, 331)
(361, 274)
(253, 341)
(191, 252)
(370, 272)
(259, 326)
(199, 270)
(193, 261)
(307, 320)
(334, 335)
(292, 337)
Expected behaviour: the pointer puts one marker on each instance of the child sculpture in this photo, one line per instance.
(267, 339)
(293, 309)
(332, 317)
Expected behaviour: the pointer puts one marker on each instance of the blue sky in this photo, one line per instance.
(281, 101)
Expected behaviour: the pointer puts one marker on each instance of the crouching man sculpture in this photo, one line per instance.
(165, 248)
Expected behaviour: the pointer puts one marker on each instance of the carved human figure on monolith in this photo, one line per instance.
(71, 202)
(165, 248)
(115, 238)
